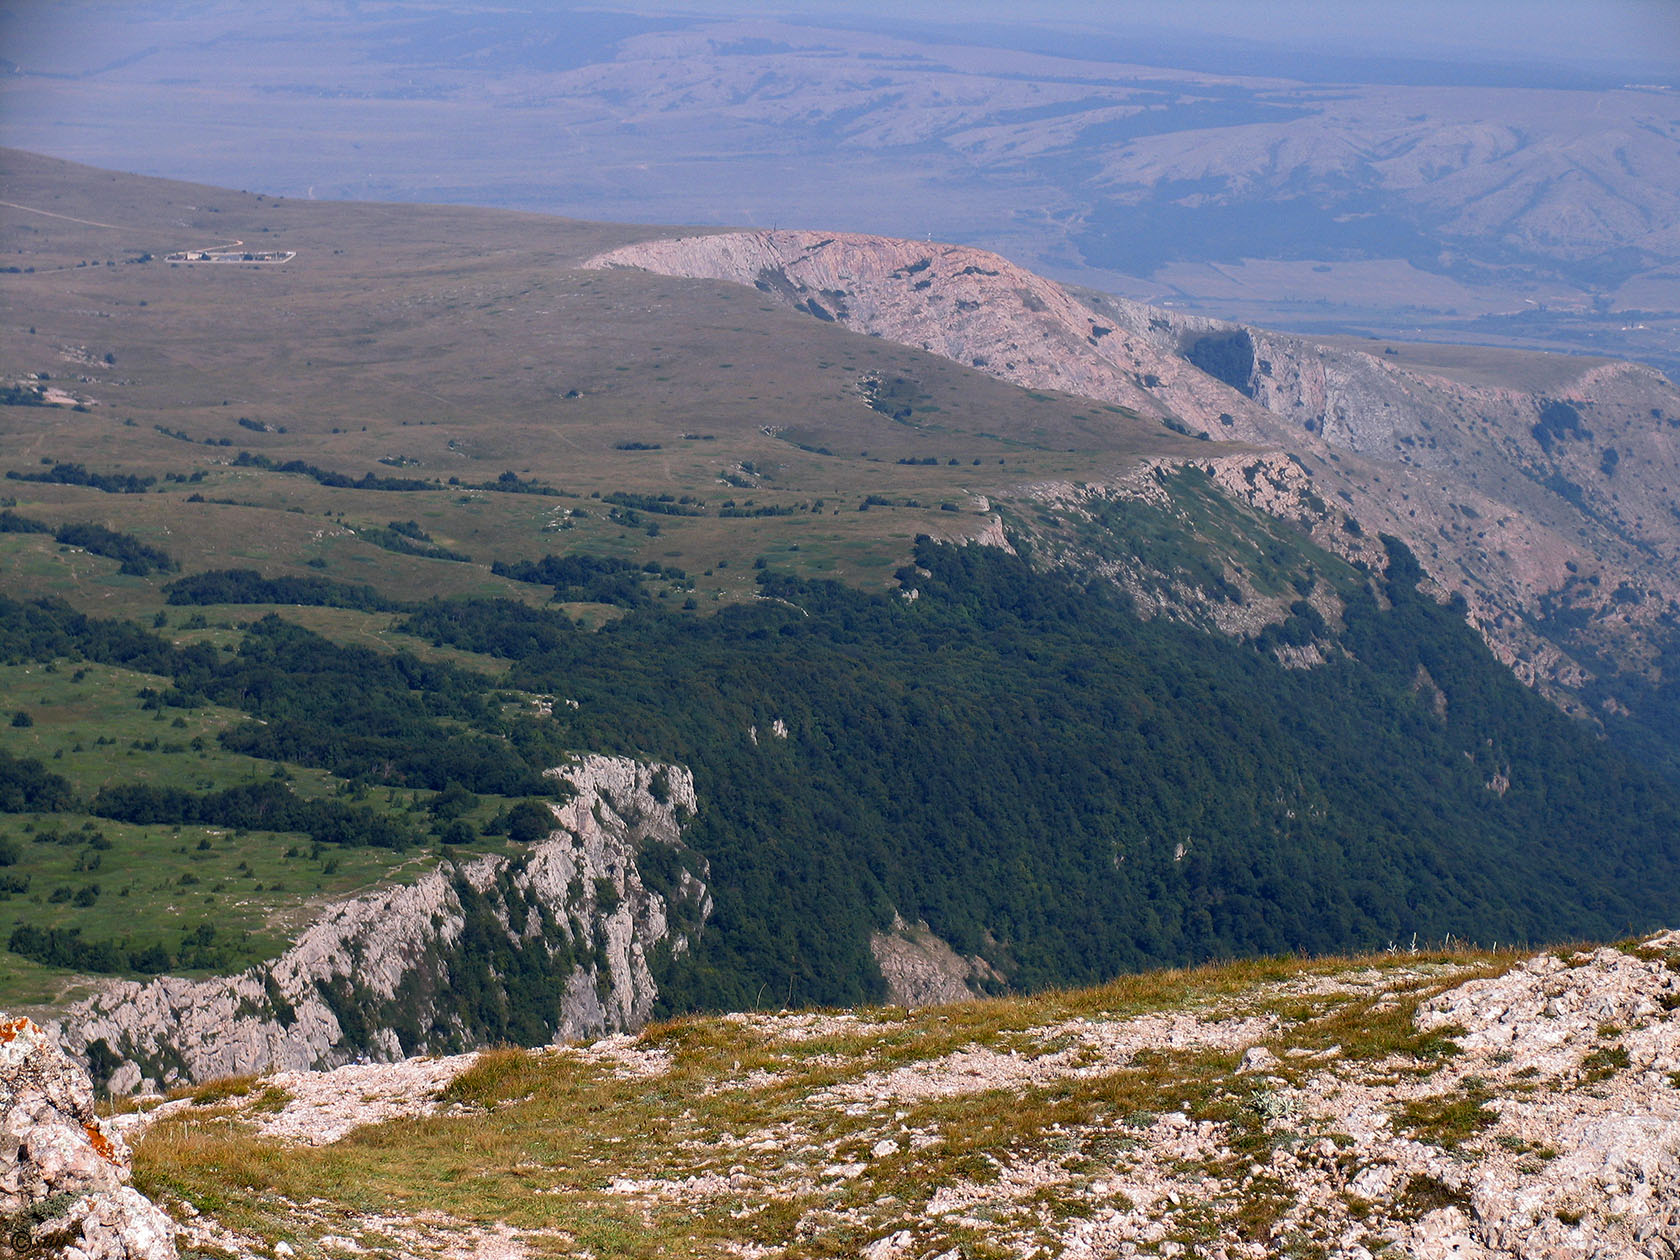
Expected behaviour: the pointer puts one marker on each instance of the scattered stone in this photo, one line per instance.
(891, 1247)
(1548, 1126)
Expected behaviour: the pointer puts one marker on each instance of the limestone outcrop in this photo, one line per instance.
(406, 970)
(63, 1176)
(922, 970)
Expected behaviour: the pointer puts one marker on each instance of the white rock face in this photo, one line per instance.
(62, 1175)
(385, 963)
(922, 970)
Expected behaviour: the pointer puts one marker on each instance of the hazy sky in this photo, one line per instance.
(1602, 35)
(1579, 32)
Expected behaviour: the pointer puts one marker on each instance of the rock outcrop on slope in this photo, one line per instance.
(63, 1175)
(1432, 1106)
(920, 969)
(1539, 487)
(411, 969)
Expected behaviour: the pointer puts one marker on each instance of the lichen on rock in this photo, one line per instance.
(63, 1178)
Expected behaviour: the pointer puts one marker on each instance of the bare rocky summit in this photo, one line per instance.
(1419, 1105)
(63, 1173)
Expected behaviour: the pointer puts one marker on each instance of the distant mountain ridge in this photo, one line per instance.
(1512, 203)
(1539, 487)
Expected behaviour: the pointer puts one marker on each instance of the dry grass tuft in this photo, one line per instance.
(707, 1135)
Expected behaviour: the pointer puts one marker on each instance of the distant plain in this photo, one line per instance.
(1467, 196)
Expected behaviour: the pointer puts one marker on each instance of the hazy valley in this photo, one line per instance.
(1471, 194)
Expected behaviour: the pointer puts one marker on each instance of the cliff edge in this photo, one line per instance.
(552, 943)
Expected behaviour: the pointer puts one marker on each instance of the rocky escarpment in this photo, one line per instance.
(63, 1172)
(552, 943)
(1538, 487)
(1468, 1105)
(921, 969)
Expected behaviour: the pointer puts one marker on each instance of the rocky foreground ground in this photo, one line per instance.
(63, 1175)
(1424, 1105)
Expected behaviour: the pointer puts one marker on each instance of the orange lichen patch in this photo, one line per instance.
(102, 1144)
(12, 1029)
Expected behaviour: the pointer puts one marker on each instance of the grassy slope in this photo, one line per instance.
(416, 343)
(154, 884)
(447, 341)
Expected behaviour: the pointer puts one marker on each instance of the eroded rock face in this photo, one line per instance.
(391, 973)
(922, 970)
(62, 1175)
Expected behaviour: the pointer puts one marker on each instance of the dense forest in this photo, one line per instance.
(1017, 758)
(1063, 787)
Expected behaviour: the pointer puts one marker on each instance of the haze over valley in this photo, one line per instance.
(1437, 179)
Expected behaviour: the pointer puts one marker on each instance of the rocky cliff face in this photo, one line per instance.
(414, 969)
(922, 970)
(1538, 487)
(63, 1173)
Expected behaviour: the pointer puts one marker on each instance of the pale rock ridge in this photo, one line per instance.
(388, 956)
(63, 1175)
(955, 301)
(1465, 473)
(921, 969)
